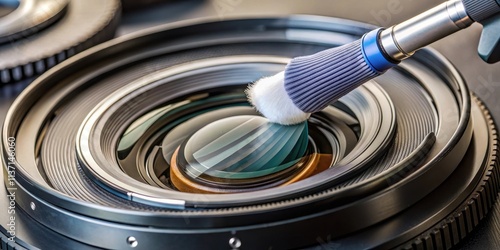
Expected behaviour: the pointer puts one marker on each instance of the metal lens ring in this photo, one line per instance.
(97, 149)
(62, 28)
(96, 142)
(29, 17)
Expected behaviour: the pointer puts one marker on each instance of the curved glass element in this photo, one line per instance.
(243, 147)
(241, 153)
(214, 142)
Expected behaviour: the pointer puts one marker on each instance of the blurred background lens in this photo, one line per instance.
(7, 6)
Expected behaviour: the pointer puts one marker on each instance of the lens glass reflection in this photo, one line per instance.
(214, 142)
(244, 147)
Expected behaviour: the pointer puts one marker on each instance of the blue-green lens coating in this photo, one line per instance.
(244, 147)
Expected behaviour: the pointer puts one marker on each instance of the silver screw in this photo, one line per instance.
(132, 241)
(234, 243)
(33, 206)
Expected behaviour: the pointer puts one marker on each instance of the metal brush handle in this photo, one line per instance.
(402, 40)
(313, 82)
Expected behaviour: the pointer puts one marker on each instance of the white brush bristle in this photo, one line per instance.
(269, 97)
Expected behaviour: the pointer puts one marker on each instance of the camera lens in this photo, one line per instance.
(150, 140)
(241, 151)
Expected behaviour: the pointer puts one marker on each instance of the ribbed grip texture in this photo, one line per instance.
(315, 81)
(479, 10)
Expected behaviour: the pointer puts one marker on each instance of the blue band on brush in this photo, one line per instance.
(373, 54)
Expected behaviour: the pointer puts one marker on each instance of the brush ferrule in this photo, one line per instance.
(373, 54)
(402, 40)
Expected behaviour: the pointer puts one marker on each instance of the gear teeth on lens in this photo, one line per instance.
(6, 244)
(101, 33)
(452, 230)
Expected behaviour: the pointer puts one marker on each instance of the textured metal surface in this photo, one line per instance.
(429, 27)
(402, 40)
(482, 78)
(486, 235)
(72, 99)
(476, 209)
(30, 17)
(481, 9)
(411, 105)
(369, 103)
(85, 23)
(57, 150)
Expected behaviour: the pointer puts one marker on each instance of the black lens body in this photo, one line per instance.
(411, 156)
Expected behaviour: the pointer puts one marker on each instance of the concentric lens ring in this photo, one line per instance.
(98, 160)
(62, 28)
(29, 17)
(431, 111)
